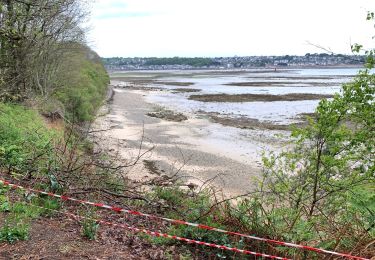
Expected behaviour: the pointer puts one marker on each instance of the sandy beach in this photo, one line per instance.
(219, 135)
(196, 148)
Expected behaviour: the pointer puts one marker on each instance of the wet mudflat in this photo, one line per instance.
(264, 96)
(257, 97)
(209, 123)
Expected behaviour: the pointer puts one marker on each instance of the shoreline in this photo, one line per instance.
(196, 149)
(249, 69)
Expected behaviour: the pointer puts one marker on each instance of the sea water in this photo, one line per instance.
(271, 82)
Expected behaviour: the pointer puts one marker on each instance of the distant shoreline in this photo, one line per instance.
(271, 68)
(315, 60)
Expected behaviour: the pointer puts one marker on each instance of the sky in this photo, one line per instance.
(217, 28)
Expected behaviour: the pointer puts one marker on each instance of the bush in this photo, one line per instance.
(84, 83)
(320, 192)
(182, 204)
(25, 141)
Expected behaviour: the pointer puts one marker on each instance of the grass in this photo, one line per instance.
(12, 232)
(25, 141)
(26, 146)
(19, 214)
(90, 227)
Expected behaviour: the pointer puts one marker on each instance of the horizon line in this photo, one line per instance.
(234, 56)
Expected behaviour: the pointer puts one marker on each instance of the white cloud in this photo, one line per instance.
(227, 27)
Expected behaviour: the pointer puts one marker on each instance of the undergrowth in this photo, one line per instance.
(19, 210)
(25, 142)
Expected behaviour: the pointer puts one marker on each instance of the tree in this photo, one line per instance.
(322, 190)
(33, 35)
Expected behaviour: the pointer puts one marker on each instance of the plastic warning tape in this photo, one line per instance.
(159, 234)
(182, 222)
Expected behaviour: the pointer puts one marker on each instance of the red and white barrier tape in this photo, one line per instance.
(182, 222)
(158, 234)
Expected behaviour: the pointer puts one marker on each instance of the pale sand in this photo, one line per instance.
(203, 149)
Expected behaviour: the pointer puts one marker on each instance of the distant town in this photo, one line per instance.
(236, 62)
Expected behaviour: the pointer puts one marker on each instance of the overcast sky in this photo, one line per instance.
(189, 28)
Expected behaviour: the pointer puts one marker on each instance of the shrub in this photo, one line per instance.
(25, 141)
(182, 204)
(89, 226)
(84, 83)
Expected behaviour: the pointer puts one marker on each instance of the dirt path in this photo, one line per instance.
(58, 238)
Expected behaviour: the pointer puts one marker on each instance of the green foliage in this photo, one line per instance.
(12, 232)
(18, 215)
(321, 191)
(236, 62)
(90, 229)
(43, 59)
(83, 84)
(42, 54)
(194, 62)
(46, 206)
(370, 16)
(25, 142)
(89, 226)
(193, 208)
(4, 200)
(31, 37)
(17, 222)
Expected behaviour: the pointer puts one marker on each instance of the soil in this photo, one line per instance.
(60, 238)
(256, 97)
